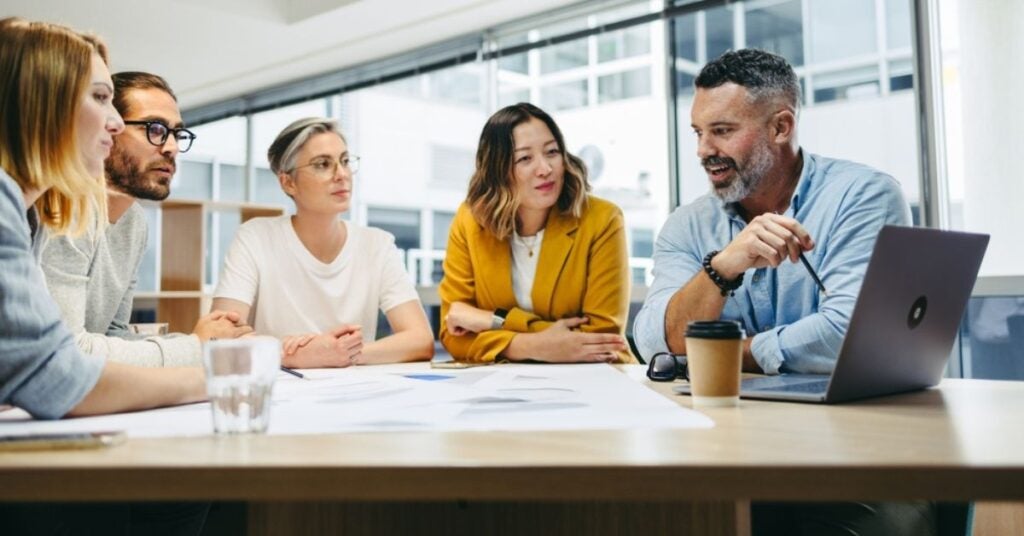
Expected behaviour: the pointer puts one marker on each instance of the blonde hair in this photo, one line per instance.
(44, 70)
(492, 196)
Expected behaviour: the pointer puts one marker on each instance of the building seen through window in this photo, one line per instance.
(609, 91)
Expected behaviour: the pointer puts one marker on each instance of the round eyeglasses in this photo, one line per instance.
(157, 133)
(326, 167)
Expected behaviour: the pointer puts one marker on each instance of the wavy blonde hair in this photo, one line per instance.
(492, 197)
(44, 71)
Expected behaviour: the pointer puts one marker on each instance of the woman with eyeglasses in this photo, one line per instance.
(536, 268)
(317, 280)
(57, 127)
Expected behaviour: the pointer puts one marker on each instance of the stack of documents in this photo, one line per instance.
(414, 397)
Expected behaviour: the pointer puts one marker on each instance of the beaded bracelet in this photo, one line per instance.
(728, 288)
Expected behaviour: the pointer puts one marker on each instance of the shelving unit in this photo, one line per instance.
(181, 299)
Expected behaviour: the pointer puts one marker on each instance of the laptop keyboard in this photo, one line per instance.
(789, 385)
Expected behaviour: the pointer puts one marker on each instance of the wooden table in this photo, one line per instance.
(961, 441)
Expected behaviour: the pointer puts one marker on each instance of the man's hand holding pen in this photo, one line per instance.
(768, 240)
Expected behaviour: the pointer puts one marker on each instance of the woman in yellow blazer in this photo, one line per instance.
(536, 268)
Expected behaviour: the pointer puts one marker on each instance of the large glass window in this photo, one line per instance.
(564, 56)
(685, 38)
(403, 224)
(564, 95)
(441, 226)
(861, 82)
(267, 190)
(222, 226)
(719, 31)
(149, 280)
(897, 17)
(193, 180)
(843, 29)
(462, 86)
(417, 149)
(992, 338)
(214, 166)
(624, 85)
(849, 111)
(626, 43)
(777, 27)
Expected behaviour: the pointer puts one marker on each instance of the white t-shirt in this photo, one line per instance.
(524, 267)
(291, 291)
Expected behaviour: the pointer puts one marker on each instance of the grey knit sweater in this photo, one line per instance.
(92, 277)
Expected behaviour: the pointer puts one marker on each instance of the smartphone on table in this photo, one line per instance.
(446, 361)
(75, 440)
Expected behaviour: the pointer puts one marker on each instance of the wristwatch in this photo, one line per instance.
(498, 318)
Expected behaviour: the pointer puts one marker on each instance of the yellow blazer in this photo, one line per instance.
(583, 270)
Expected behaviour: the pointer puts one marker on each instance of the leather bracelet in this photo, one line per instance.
(728, 288)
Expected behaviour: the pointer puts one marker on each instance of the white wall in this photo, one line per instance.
(992, 111)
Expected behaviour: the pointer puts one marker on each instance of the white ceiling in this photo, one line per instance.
(211, 50)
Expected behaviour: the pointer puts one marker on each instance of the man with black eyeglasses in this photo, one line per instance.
(93, 277)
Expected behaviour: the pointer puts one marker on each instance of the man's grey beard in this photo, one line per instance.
(750, 178)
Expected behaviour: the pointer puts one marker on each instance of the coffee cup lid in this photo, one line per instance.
(715, 329)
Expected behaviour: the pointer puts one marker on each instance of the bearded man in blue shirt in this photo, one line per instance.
(725, 255)
(770, 202)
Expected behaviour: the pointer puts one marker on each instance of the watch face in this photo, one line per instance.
(498, 318)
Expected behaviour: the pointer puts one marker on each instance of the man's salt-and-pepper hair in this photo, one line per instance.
(766, 76)
(289, 142)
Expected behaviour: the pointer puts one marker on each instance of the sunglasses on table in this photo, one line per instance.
(666, 367)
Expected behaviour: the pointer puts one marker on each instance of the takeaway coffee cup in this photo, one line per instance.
(714, 357)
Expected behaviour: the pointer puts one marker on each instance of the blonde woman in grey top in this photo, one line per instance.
(57, 81)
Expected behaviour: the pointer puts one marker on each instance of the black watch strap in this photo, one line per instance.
(727, 288)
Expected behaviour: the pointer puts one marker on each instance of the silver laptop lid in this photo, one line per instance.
(907, 313)
(904, 322)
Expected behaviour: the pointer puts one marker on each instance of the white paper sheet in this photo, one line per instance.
(413, 397)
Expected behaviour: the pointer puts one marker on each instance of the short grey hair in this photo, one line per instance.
(289, 142)
(765, 76)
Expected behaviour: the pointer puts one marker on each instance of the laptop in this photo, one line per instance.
(903, 324)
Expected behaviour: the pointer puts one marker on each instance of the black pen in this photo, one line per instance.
(810, 270)
(297, 374)
(813, 274)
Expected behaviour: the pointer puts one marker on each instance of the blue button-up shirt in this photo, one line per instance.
(843, 205)
(41, 369)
